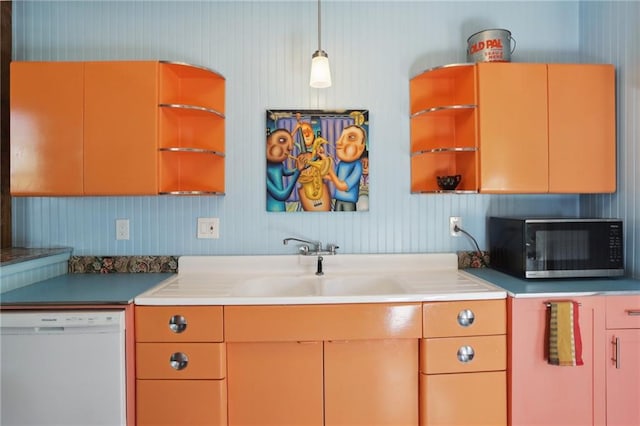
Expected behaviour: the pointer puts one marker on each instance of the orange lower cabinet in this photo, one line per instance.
(277, 383)
(463, 363)
(177, 360)
(181, 402)
(371, 382)
(180, 366)
(463, 399)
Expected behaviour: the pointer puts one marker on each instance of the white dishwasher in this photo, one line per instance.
(62, 368)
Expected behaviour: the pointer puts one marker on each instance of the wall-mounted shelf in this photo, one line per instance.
(192, 130)
(443, 128)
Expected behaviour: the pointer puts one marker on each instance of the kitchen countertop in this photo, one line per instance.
(241, 280)
(566, 287)
(83, 289)
(13, 255)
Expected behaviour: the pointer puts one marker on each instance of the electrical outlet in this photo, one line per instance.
(453, 222)
(122, 229)
(208, 227)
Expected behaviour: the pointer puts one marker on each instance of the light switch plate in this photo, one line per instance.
(208, 227)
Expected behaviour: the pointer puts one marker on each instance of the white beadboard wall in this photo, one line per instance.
(609, 32)
(264, 50)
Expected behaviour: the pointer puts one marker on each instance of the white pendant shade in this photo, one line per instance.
(320, 71)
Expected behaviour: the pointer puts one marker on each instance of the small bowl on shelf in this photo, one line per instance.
(449, 182)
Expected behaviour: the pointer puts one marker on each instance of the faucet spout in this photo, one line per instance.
(317, 245)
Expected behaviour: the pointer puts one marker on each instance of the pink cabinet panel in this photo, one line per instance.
(544, 394)
(623, 378)
(623, 360)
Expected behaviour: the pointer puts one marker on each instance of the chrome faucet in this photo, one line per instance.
(316, 250)
(304, 249)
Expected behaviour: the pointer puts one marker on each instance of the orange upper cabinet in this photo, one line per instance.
(120, 128)
(116, 128)
(515, 128)
(512, 101)
(582, 128)
(46, 128)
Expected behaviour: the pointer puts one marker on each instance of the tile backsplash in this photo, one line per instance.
(142, 264)
(126, 264)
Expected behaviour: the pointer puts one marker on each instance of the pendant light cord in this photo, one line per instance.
(319, 26)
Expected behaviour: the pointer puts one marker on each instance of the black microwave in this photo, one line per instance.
(556, 247)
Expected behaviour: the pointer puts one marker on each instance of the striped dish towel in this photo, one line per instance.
(565, 343)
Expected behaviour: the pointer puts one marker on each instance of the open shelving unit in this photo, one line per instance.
(191, 130)
(444, 113)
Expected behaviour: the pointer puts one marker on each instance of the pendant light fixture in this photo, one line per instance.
(320, 71)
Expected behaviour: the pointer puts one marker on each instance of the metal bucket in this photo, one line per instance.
(490, 46)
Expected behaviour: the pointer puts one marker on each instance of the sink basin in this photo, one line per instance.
(360, 285)
(301, 286)
(279, 286)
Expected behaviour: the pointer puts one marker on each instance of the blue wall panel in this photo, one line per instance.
(264, 50)
(609, 32)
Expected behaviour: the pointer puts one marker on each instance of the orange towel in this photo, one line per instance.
(565, 343)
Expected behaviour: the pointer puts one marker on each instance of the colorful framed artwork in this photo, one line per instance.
(317, 160)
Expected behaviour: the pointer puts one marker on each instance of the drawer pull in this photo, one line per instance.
(465, 354)
(177, 324)
(466, 317)
(179, 361)
(633, 312)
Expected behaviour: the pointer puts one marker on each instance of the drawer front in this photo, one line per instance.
(623, 311)
(463, 354)
(322, 322)
(464, 399)
(181, 402)
(180, 361)
(464, 318)
(179, 324)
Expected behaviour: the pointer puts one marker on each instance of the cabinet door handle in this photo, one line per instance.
(615, 341)
(633, 312)
(179, 360)
(465, 354)
(177, 323)
(466, 317)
